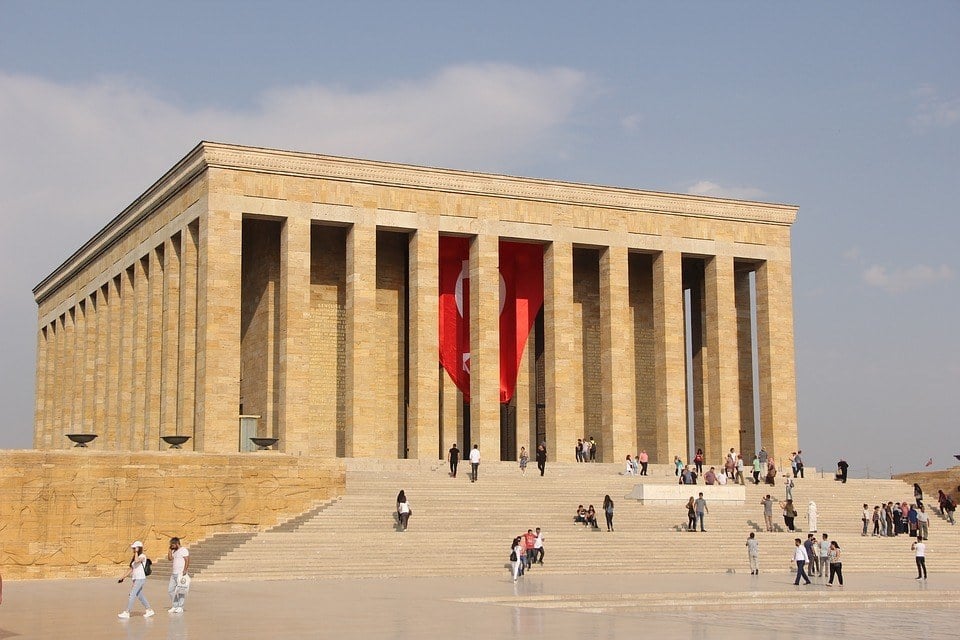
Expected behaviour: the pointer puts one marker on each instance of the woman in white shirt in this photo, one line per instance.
(137, 564)
(403, 510)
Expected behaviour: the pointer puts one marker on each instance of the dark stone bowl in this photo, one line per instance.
(264, 443)
(81, 439)
(175, 441)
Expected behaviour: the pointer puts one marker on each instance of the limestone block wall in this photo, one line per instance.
(74, 513)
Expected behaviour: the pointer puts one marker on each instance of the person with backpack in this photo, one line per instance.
(140, 568)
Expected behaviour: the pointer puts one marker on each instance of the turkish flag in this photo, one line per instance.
(455, 311)
(521, 296)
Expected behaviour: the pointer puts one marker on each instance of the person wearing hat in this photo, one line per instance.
(136, 573)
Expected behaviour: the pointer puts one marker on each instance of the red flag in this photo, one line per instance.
(929, 462)
(521, 296)
(455, 311)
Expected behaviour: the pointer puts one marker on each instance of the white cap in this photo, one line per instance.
(136, 544)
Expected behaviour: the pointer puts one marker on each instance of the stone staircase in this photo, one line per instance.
(461, 528)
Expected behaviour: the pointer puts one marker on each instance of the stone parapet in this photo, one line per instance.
(73, 513)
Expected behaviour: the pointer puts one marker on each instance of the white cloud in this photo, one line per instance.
(712, 189)
(932, 111)
(631, 123)
(906, 279)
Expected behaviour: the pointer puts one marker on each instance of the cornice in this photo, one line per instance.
(494, 185)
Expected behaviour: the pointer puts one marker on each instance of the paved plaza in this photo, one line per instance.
(560, 607)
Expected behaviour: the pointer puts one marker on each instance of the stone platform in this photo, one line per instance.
(559, 607)
(666, 494)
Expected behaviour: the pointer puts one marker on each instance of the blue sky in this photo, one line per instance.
(851, 112)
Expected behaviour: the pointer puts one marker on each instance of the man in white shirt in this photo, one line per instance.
(753, 553)
(474, 462)
(180, 557)
(538, 548)
(801, 558)
(923, 522)
(921, 550)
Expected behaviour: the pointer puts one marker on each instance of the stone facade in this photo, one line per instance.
(303, 289)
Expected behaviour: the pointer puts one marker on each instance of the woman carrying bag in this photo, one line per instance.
(137, 572)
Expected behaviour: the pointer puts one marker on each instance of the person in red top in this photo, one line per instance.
(529, 539)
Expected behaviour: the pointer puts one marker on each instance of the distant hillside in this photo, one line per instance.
(930, 481)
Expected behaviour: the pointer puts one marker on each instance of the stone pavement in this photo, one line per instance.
(560, 607)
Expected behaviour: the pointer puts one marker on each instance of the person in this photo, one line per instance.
(608, 511)
(789, 513)
(585, 450)
(798, 465)
(767, 503)
(722, 479)
(592, 517)
(800, 557)
(918, 494)
(738, 470)
(921, 550)
(771, 473)
(731, 464)
(710, 477)
(529, 539)
(524, 458)
(883, 520)
(628, 469)
(793, 463)
(691, 515)
(453, 457)
(474, 462)
(836, 566)
(923, 523)
(644, 460)
(538, 548)
(698, 461)
(403, 511)
(947, 505)
(824, 555)
(875, 519)
(756, 470)
(180, 559)
(516, 553)
(753, 554)
(581, 515)
(888, 510)
(678, 465)
(702, 509)
(865, 517)
(763, 456)
(578, 452)
(842, 468)
(913, 520)
(788, 487)
(810, 544)
(542, 457)
(137, 574)
(812, 515)
(593, 449)
(686, 476)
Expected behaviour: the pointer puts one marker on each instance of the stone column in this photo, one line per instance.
(154, 337)
(53, 438)
(423, 411)
(141, 291)
(778, 386)
(485, 346)
(723, 432)
(218, 327)
(293, 317)
(171, 337)
(564, 422)
(40, 387)
(78, 365)
(669, 358)
(361, 306)
(69, 366)
(619, 423)
(126, 379)
(90, 363)
(187, 387)
(100, 357)
(748, 434)
(111, 437)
